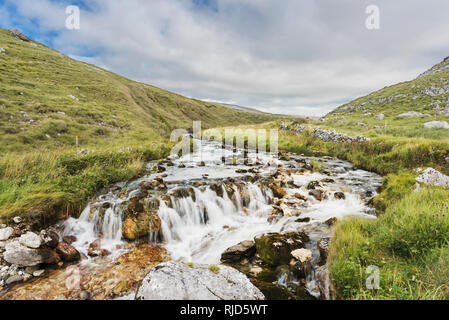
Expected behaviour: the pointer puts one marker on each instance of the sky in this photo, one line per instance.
(300, 57)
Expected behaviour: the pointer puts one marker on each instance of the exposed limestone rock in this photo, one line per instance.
(433, 177)
(178, 281)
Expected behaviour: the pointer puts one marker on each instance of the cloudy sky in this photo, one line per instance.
(302, 57)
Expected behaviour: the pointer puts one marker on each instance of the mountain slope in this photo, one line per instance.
(427, 95)
(47, 99)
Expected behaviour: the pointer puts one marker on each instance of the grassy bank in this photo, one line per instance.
(46, 186)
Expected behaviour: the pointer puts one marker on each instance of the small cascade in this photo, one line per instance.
(96, 222)
(199, 229)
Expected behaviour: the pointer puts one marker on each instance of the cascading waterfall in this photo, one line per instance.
(200, 230)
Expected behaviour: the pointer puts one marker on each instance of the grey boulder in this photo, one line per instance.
(178, 281)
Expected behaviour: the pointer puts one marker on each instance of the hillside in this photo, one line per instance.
(404, 108)
(47, 99)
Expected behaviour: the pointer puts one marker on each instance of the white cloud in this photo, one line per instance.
(285, 57)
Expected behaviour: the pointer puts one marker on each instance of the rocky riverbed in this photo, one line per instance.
(263, 224)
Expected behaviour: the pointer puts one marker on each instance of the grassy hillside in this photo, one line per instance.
(428, 95)
(48, 99)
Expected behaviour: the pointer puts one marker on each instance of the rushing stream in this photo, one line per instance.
(221, 205)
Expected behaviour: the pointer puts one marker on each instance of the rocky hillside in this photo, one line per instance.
(407, 106)
(47, 99)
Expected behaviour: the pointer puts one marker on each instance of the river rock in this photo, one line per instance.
(178, 281)
(436, 124)
(49, 238)
(323, 282)
(278, 191)
(142, 225)
(68, 252)
(302, 255)
(244, 249)
(18, 254)
(13, 279)
(30, 240)
(5, 233)
(323, 248)
(275, 248)
(339, 195)
(317, 194)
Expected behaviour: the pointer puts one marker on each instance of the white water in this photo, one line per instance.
(200, 230)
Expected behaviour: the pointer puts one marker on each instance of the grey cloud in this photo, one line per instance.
(281, 56)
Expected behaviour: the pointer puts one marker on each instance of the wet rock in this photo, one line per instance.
(323, 282)
(273, 291)
(339, 195)
(244, 249)
(331, 221)
(69, 239)
(317, 194)
(202, 164)
(49, 238)
(278, 191)
(302, 255)
(135, 205)
(314, 185)
(94, 248)
(105, 253)
(182, 165)
(30, 240)
(323, 248)
(275, 248)
(274, 218)
(137, 227)
(303, 220)
(300, 196)
(67, 252)
(177, 281)
(5, 233)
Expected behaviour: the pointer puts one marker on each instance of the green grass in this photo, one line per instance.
(408, 243)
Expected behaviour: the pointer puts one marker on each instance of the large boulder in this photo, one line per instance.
(179, 281)
(18, 254)
(275, 248)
